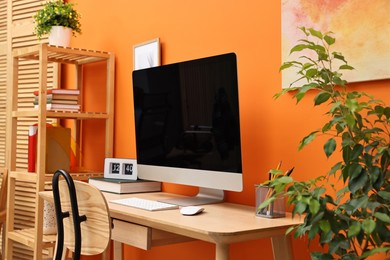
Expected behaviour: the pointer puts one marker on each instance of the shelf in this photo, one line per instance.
(24, 176)
(26, 237)
(32, 176)
(61, 114)
(79, 176)
(36, 182)
(62, 54)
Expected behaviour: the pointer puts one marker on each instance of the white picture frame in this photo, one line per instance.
(147, 54)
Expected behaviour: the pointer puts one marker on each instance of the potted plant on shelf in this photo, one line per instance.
(354, 222)
(58, 19)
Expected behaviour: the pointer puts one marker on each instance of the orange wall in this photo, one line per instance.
(271, 129)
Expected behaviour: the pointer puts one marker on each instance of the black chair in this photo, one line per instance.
(84, 206)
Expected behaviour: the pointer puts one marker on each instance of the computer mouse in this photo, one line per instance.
(191, 210)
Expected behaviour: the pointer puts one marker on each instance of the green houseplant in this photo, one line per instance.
(351, 222)
(56, 13)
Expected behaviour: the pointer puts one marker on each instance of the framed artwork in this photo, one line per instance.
(147, 54)
(361, 29)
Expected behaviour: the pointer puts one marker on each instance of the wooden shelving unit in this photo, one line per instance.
(40, 180)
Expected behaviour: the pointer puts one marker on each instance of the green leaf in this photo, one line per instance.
(335, 168)
(338, 56)
(325, 226)
(322, 55)
(347, 142)
(284, 179)
(386, 112)
(284, 91)
(314, 206)
(368, 225)
(288, 231)
(313, 231)
(302, 91)
(307, 139)
(303, 29)
(330, 147)
(346, 149)
(286, 65)
(321, 98)
(375, 251)
(359, 203)
(320, 256)
(329, 40)
(326, 238)
(382, 216)
(338, 81)
(311, 73)
(350, 120)
(266, 202)
(335, 107)
(307, 65)
(300, 207)
(384, 194)
(317, 192)
(346, 67)
(352, 104)
(357, 181)
(299, 47)
(354, 229)
(356, 152)
(315, 33)
(327, 127)
(340, 128)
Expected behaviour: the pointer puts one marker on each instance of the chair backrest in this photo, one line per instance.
(96, 229)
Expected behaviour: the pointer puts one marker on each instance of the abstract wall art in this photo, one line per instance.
(361, 29)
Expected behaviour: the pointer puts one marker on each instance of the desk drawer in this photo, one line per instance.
(143, 237)
(132, 234)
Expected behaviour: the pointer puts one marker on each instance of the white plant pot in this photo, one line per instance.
(60, 36)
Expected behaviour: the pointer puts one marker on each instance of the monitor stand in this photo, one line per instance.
(204, 196)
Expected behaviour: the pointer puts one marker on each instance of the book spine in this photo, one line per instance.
(59, 91)
(32, 148)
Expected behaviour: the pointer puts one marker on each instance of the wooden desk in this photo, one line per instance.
(221, 224)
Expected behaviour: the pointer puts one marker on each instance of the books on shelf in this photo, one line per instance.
(66, 107)
(61, 91)
(60, 99)
(121, 186)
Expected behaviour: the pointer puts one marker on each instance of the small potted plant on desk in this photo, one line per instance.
(354, 223)
(58, 19)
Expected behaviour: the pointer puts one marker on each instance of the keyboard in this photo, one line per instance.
(151, 205)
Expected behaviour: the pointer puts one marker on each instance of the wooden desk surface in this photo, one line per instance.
(223, 223)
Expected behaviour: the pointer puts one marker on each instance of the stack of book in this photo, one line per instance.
(121, 186)
(60, 99)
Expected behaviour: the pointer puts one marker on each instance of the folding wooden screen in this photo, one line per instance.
(16, 31)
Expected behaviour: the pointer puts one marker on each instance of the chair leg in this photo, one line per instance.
(67, 254)
(106, 254)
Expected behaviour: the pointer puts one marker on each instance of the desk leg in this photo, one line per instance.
(281, 247)
(222, 251)
(117, 250)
